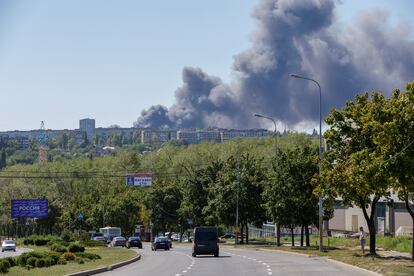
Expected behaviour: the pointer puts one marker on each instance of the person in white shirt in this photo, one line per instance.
(362, 239)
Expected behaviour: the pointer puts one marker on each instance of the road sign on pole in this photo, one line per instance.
(139, 179)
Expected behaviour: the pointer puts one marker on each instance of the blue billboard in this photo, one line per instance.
(29, 208)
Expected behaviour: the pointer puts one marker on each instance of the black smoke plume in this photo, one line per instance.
(294, 36)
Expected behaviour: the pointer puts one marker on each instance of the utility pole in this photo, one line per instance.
(277, 157)
(320, 156)
(237, 190)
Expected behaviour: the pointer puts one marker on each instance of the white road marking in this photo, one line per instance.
(270, 273)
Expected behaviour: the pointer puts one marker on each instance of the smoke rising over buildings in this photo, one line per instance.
(294, 36)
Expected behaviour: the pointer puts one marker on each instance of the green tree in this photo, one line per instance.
(396, 139)
(163, 202)
(354, 168)
(195, 189)
(289, 192)
(2, 159)
(250, 189)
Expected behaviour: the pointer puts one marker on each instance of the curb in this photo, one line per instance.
(104, 269)
(352, 266)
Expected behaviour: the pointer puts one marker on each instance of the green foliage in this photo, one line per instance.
(40, 240)
(32, 261)
(80, 261)
(57, 247)
(289, 192)
(74, 247)
(87, 255)
(23, 259)
(401, 244)
(12, 261)
(62, 261)
(67, 235)
(68, 256)
(92, 243)
(40, 263)
(355, 169)
(4, 266)
(2, 159)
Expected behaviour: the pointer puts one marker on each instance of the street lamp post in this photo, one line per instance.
(320, 155)
(275, 133)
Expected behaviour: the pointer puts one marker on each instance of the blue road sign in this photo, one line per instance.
(29, 208)
(130, 180)
(80, 216)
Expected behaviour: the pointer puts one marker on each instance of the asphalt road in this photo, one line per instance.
(18, 252)
(178, 262)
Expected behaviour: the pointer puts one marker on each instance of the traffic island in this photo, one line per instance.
(111, 258)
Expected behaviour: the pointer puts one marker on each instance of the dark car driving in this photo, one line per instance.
(134, 242)
(205, 241)
(160, 243)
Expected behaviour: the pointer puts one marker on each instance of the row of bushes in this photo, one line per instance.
(51, 240)
(40, 240)
(61, 247)
(40, 259)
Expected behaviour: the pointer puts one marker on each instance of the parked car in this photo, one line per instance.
(99, 238)
(134, 242)
(118, 241)
(205, 241)
(228, 236)
(160, 243)
(8, 245)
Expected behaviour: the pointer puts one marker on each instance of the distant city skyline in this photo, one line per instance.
(61, 61)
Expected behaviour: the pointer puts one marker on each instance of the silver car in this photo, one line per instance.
(9, 245)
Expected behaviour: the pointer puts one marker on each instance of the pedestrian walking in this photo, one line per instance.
(362, 239)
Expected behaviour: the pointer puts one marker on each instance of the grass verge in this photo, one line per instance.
(109, 256)
(381, 265)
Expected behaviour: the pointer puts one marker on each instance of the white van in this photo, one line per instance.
(110, 232)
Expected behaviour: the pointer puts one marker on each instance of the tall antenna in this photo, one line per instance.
(42, 143)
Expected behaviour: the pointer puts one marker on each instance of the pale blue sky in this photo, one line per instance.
(61, 61)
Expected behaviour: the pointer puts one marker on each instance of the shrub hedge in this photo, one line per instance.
(68, 256)
(89, 256)
(4, 266)
(74, 247)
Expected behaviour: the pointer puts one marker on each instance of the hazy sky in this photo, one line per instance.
(61, 61)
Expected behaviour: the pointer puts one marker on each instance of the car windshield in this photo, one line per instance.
(134, 238)
(8, 242)
(98, 235)
(119, 238)
(206, 236)
(161, 239)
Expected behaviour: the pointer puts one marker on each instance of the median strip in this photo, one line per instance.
(106, 268)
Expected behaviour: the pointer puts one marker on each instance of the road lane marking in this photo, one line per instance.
(269, 270)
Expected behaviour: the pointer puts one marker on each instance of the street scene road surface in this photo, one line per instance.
(18, 252)
(178, 262)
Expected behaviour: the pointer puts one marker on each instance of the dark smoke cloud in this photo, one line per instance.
(294, 36)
